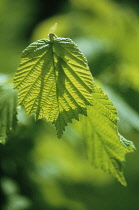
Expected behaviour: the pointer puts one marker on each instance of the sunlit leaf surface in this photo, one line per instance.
(54, 81)
(106, 148)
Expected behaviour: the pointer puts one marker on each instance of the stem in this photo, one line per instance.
(52, 36)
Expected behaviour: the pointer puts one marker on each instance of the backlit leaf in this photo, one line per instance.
(106, 148)
(53, 80)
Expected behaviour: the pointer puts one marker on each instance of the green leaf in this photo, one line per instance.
(99, 130)
(54, 80)
(60, 122)
(8, 111)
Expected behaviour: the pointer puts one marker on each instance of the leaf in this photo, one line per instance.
(53, 28)
(60, 122)
(125, 111)
(53, 80)
(99, 130)
(8, 111)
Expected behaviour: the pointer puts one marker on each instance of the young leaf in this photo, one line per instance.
(8, 111)
(54, 78)
(53, 29)
(99, 130)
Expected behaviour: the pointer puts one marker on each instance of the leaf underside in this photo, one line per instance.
(54, 81)
(8, 111)
(99, 130)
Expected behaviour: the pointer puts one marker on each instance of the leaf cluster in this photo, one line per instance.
(54, 82)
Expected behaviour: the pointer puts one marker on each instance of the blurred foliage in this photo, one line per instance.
(8, 105)
(38, 171)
